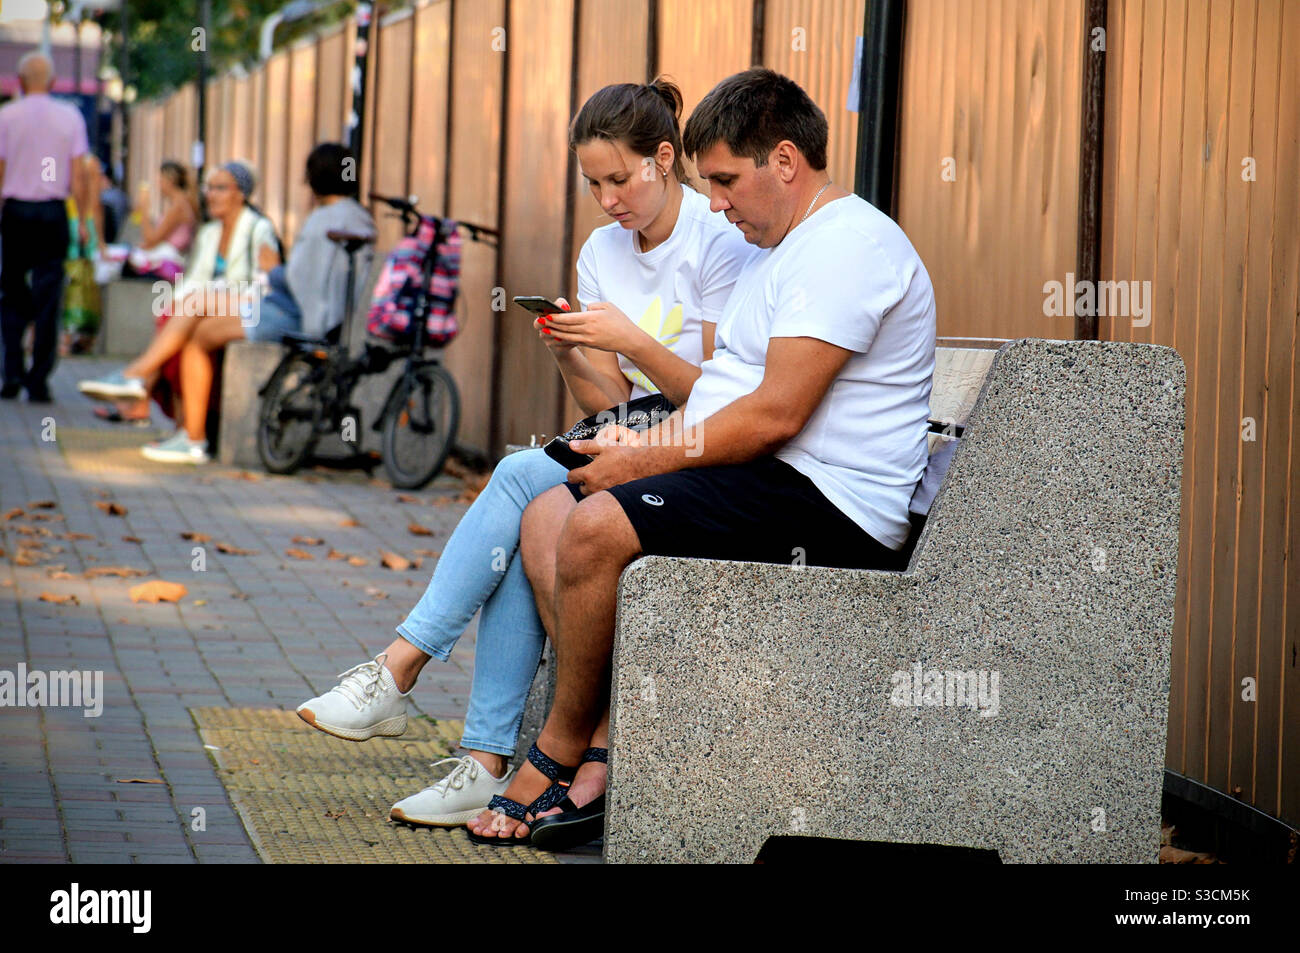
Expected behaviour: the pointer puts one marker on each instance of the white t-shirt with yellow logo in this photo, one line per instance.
(670, 289)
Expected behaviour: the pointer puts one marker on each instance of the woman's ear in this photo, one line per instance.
(665, 156)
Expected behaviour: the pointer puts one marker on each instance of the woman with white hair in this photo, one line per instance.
(229, 251)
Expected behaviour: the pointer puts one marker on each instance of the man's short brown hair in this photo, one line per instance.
(752, 112)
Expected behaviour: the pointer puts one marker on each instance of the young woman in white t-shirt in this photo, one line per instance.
(652, 285)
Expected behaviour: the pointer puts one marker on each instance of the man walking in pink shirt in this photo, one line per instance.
(43, 148)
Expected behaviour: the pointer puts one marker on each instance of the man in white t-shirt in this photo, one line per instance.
(805, 435)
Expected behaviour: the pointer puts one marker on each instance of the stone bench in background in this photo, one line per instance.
(753, 700)
(127, 320)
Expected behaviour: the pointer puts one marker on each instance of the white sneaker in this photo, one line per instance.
(460, 796)
(178, 448)
(364, 704)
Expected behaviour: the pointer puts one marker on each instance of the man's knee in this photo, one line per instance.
(596, 533)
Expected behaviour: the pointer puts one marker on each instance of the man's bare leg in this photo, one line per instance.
(597, 542)
(539, 535)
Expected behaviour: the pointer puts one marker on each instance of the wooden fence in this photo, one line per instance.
(468, 104)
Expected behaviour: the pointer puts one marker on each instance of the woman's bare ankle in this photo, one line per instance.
(404, 661)
(496, 764)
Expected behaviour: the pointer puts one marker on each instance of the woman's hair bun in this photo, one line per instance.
(668, 91)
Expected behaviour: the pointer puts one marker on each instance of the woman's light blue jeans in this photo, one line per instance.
(480, 567)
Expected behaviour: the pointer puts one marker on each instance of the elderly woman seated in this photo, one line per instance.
(212, 312)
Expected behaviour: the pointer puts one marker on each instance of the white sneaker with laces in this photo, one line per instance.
(365, 703)
(455, 799)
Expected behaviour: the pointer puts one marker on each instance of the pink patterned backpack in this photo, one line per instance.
(396, 291)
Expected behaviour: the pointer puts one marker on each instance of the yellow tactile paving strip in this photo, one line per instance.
(308, 798)
(110, 451)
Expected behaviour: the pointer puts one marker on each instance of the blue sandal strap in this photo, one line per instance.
(550, 767)
(596, 754)
(511, 809)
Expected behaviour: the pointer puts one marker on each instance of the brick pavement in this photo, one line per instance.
(261, 630)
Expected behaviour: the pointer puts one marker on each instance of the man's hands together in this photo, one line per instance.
(619, 458)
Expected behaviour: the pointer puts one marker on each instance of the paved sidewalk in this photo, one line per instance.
(263, 630)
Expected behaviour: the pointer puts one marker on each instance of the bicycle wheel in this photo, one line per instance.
(291, 407)
(420, 424)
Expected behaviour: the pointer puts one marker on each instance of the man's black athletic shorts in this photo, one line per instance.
(762, 511)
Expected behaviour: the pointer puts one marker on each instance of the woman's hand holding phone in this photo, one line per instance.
(542, 324)
(602, 326)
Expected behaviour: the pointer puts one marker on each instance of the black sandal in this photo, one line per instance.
(577, 825)
(560, 775)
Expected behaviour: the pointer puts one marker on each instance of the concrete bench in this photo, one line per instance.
(959, 373)
(127, 320)
(1008, 692)
(250, 364)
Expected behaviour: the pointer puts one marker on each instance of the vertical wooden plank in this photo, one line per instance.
(474, 154)
(1261, 197)
(1205, 379)
(333, 69)
(1283, 575)
(1162, 304)
(1231, 322)
(1192, 683)
(276, 139)
(391, 120)
(302, 127)
(534, 258)
(427, 159)
(1148, 165)
(813, 44)
(257, 139)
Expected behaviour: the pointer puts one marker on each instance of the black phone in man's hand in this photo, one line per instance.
(558, 449)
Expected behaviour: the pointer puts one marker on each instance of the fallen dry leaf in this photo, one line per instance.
(125, 572)
(28, 557)
(60, 574)
(140, 781)
(16, 512)
(132, 539)
(25, 530)
(443, 501)
(393, 561)
(1172, 855)
(407, 498)
(298, 554)
(230, 550)
(42, 505)
(196, 537)
(349, 522)
(368, 604)
(111, 508)
(358, 561)
(243, 475)
(335, 554)
(376, 592)
(308, 540)
(427, 552)
(47, 517)
(416, 563)
(2, 552)
(78, 535)
(334, 815)
(157, 590)
(59, 599)
(200, 602)
(415, 529)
